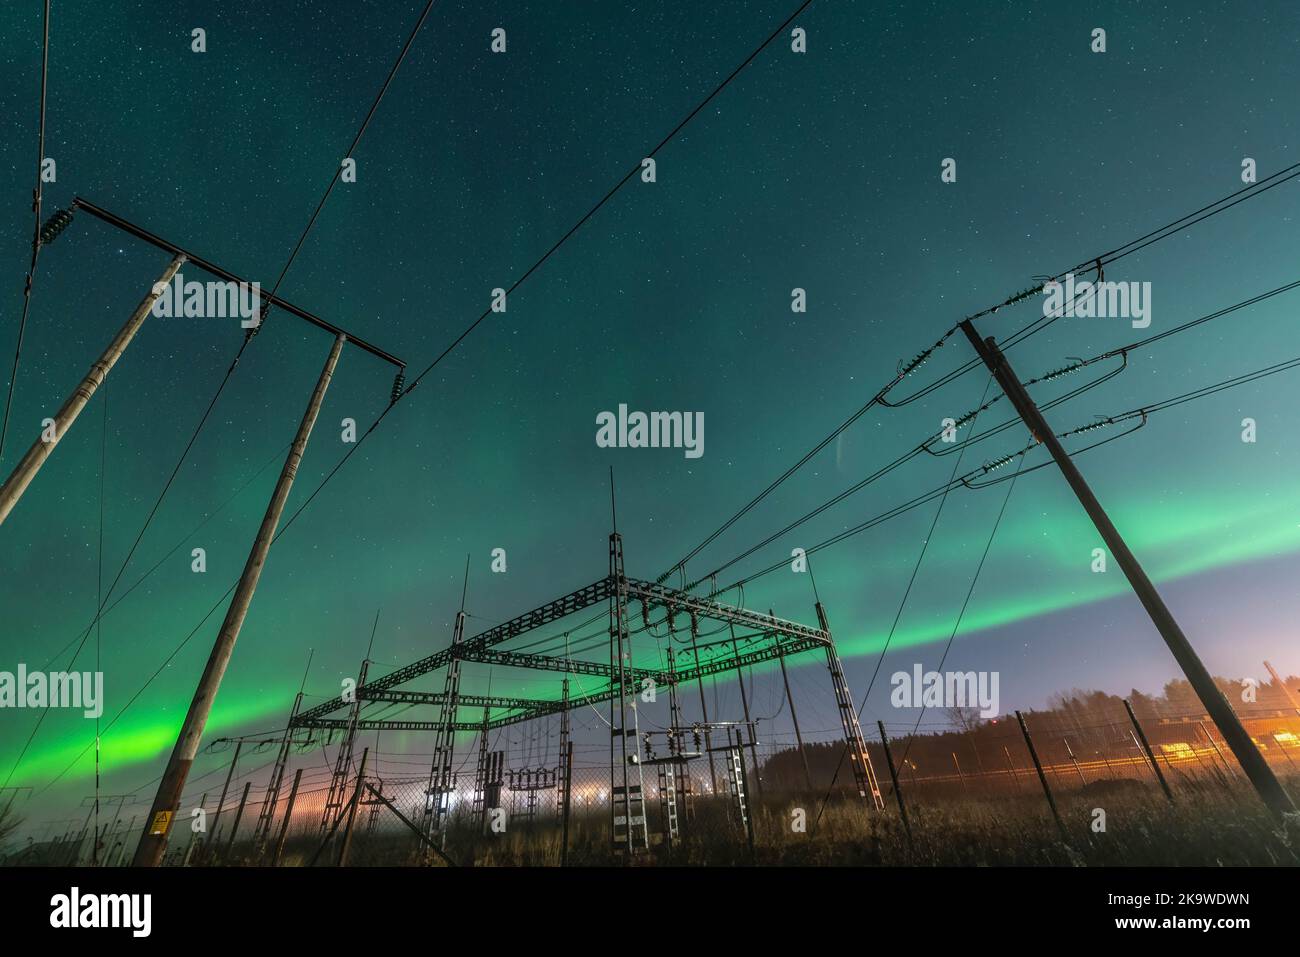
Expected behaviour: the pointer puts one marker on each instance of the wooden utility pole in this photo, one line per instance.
(42, 449)
(1216, 704)
(153, 841)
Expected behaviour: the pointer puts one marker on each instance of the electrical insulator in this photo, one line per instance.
(55, 225)
(251, 331)
(1064, 370)
(399, 382)
(1025, 294)
(916, 362)
(1094, 425)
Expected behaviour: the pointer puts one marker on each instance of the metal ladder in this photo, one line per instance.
(864, 775)
(736, 784)
(668, 799)
(627, 800)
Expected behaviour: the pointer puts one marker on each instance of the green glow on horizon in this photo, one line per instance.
(1205, 548)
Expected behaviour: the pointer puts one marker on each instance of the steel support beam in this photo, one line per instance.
(551, 611)
(666, 597)
(224, 274)
(381, 724)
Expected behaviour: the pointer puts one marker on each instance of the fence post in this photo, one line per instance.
(238, 815)
(209, 851)
(1042, 778)
(898, 792)
(961, 777)
(1075, 761)
(189, 848)
(568, 800)
(288, 813)
(1227, 768)
(1146, 746)
(352, 810)
(1011, 765)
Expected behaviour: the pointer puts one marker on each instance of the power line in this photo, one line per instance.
(969, 417)
(120, 598)
(535, 266)
(1141, 412)
(916, 568)
(1154, 236)
(1120, 252)
(99, 586)
(966, 602)
(898, 616)
(1204, 391)
(1122, 352)
(36, 230)
(538, 264)
(274, 289)
(250, 333)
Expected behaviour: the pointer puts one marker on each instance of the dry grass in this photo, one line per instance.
(1205, 826)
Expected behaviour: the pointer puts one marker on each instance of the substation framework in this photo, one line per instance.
(765, 638)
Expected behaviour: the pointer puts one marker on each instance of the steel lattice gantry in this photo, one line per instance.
(760, 637)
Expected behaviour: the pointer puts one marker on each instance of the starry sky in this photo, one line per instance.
(818, 170)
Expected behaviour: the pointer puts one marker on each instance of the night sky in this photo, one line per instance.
(819, 171)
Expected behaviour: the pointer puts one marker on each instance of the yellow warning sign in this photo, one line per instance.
(161, 822)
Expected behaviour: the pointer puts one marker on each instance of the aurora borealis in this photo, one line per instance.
(818, 171)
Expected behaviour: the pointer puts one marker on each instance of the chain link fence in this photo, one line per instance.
(948, 777)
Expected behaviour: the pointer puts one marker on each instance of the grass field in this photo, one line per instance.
(1215, 827)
